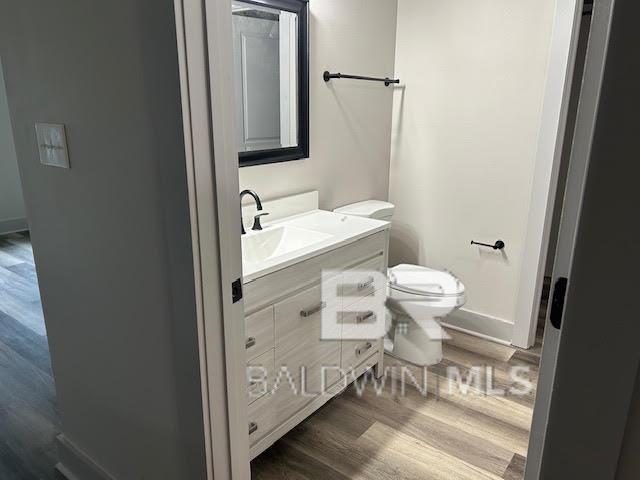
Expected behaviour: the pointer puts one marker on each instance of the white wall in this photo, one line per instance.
(12, 214)
(350, 121)
(464, 139)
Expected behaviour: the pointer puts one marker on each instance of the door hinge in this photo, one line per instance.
(236, 291)
(557, 302)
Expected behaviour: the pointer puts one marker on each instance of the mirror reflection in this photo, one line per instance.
(266, 76)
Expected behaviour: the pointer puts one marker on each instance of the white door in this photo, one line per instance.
(256, 57)
(594, 31)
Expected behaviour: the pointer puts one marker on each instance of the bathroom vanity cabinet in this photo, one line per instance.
(283, 331)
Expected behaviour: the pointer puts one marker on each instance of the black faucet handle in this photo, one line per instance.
(256, 220)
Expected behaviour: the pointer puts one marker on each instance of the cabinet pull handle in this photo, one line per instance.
(311, 311)
(364, 316)
(251, 341)
(366, 284)
(253, 426)
(364, 348)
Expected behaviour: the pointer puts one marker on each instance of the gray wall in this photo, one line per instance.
(12, 214)
(629, 463)
(111, 236)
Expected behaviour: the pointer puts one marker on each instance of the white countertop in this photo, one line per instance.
(325, 230)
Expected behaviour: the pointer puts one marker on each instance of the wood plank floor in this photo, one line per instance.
(28, 413)
(440, 435)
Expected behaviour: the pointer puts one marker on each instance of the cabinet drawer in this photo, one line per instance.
(259, 331)
(272, 410)
(354, 352)
(359, 282)
(262, 417)
(354, 347)
(260, 375)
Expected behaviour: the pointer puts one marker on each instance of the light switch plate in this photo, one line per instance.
(52, 144)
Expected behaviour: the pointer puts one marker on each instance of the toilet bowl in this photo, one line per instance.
(418, 298)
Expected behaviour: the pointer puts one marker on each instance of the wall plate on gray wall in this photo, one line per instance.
(52, 144)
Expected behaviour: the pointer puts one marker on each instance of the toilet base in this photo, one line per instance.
(419, 343)
(421, 360)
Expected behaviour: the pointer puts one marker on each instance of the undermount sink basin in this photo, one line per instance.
(276, 241)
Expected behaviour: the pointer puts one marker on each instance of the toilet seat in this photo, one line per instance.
(424, 282)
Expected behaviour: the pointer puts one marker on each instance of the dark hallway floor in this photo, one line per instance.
(28, 413)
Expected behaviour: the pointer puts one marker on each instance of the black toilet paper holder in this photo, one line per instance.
(499, 245)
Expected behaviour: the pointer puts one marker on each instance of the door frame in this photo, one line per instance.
(204, 39)
(588, 105)
(204, 47)
(555, 109)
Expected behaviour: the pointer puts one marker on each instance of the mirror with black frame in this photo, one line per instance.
(271, 80)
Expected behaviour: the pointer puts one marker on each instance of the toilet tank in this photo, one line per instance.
(369, 208)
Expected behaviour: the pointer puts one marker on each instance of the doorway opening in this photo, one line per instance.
(29, 420)
(355, 434)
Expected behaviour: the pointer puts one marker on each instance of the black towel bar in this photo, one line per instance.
(387, 81)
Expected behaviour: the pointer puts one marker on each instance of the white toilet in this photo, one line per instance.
(418, 297)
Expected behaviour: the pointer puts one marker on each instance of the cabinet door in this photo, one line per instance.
(310, 360)
(298, 319)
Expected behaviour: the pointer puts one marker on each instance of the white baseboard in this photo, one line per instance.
(13, 225)
(64, 471)
(480, 325)
(75, 464)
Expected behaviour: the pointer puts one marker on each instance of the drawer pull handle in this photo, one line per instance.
(253, 426)
(364, 316)
(367, 284)
(311, 311)
(361, 350)
(251, 341)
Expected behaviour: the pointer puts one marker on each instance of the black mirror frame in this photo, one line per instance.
(285, 154)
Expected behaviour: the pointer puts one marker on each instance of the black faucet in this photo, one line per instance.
(256, 223)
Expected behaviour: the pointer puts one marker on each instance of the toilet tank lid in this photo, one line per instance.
(368, 208)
